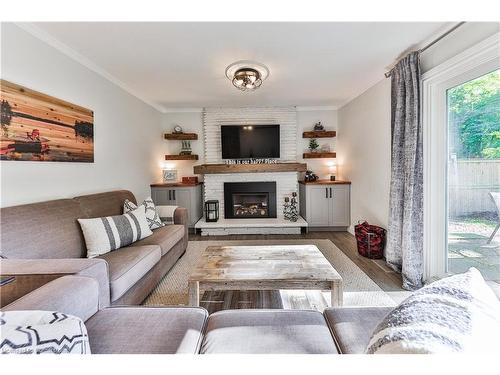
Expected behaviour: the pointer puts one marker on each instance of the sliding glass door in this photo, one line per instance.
(473, 184)
(461, 125)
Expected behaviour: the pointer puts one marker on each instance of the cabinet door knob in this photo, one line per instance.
(170, 195)
(331, 192)
(174, 194)
(326, 193)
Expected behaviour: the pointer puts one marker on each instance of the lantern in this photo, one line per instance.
(211, 211)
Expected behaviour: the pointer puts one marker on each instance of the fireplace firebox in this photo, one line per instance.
(249, 200)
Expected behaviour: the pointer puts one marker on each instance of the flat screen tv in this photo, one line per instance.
(250, 141)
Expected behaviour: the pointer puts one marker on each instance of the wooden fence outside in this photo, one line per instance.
(470, 181)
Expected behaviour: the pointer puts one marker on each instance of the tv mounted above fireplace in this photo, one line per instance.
(250, 141)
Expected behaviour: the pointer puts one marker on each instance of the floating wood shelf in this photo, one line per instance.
(326, 182)
(321, 134)
(319, 155)
(174, 184)
(181, 136)
(249, 168)
(181, 157)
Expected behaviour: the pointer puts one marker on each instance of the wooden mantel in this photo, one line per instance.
(249, 168)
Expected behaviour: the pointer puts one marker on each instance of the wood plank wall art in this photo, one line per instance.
(39, 127)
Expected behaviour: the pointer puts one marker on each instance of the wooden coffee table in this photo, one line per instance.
(264, 268)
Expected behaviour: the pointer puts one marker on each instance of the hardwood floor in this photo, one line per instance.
(388, 280)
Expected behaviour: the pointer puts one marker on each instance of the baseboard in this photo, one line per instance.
(327, 229)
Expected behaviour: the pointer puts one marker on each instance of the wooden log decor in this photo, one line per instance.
(249, 168)
(321, 134)
(39, 127)
(319, 155)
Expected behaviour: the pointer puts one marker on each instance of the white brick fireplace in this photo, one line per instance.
(286, 182)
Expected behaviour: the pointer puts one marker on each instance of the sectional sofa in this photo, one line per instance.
(44, 268)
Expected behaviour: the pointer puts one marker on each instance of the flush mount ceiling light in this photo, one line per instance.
(247, 75)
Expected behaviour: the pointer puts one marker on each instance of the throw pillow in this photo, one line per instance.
(457, 314)
(105, 234)
(152, 216)
(38, 332)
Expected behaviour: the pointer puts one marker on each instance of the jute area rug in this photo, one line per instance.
(359, 289)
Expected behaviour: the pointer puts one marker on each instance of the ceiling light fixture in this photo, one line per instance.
(247, 75)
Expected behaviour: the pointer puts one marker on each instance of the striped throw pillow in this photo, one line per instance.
(106, 234)
(457, 314)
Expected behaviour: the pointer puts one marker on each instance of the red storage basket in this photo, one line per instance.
(370, 239)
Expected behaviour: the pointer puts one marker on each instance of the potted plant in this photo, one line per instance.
(313, 145)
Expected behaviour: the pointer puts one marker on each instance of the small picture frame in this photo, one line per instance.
(169, 175)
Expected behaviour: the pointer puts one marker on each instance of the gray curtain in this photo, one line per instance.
(404, 251)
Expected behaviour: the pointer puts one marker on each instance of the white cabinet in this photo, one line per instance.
(326, 204)
(318, 209)
(189, 197)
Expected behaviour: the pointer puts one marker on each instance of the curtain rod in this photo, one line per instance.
(423, 49)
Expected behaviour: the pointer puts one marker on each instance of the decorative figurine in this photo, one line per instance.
(318, 127)
(294, 212)
(286, 209)
(313, 145)
(310, 176)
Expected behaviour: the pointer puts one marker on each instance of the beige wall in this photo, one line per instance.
(191, 122)
(364, 130)
(127, 143)
(364, 153)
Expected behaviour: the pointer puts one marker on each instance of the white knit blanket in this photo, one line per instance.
(457, 314)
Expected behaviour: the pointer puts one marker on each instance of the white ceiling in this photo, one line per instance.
(176, 65)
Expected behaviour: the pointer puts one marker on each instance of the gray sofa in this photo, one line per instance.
(43, 241)
(172, 330)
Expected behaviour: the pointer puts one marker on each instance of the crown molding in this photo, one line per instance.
(182, 109)
(316, 108)
(68, 51)
(297, 108)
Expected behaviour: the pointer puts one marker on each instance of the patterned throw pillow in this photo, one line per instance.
(457, 314)
(152, 216)
(105, 234)
(39, 332)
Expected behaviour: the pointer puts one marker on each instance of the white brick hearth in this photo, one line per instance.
(250, 226)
